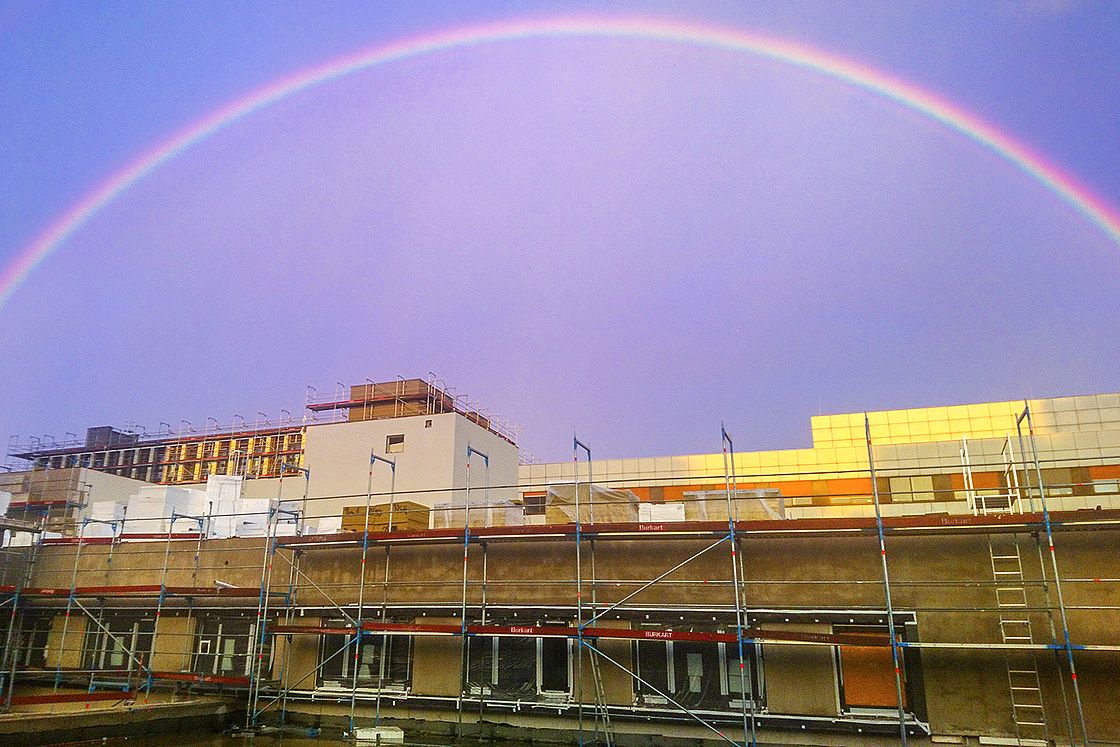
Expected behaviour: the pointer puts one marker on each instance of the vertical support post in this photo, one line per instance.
(1026, 414)
(886, 582)
(576, 446)
(464, 650)
(257, 646)
(482, 611)
(373, 460)
(293, 567)
(11, 658)
(736, 564)
(385, 591)
(159, 604)
(69, 607)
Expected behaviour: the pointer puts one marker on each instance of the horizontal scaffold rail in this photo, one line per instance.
(750, 635)
(917, 525)
(125, 537)
(198, 678)
(562, 631)
(143, 590)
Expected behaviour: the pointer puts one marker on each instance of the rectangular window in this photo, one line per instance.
(394, 444)
(33, 635)
(652, 659)
(122, 643)
(505, 668)
(553, 658)
(222, 647)
(534, 504)
(384, 659)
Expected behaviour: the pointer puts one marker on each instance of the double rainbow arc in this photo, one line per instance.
(1066, 187)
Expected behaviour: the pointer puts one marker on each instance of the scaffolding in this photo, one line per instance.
(285, 587)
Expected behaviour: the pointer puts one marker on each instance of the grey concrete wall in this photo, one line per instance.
(946, 581)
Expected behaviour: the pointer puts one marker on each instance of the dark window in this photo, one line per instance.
(394, 444)
(381, 658)
(33, 635)
(505, 668)
(222, 647)
(696, 674)
(652, 662)
(534, 504)
(120, 643)
(554, 665)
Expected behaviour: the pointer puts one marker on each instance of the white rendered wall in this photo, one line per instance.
(431, 464)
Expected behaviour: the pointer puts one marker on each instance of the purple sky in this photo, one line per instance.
(629, 239)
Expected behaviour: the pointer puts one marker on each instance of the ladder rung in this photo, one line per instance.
(1014, 622)
(1005, 557)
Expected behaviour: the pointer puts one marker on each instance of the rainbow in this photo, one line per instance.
(861, 76)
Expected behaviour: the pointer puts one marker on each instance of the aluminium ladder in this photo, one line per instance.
(1028, 709)
(601, 709)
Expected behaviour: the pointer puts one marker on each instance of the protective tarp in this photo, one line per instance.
(749, 505)
(223, 498)
(483, 514)
(502, 668)
(606, 506)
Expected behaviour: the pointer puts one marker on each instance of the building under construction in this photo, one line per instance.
(385, 561)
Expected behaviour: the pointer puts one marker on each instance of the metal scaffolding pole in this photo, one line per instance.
(482, 611)
(162, 597)
(257, 636)
(373, 460)
(576, 446)
(70, 600)
(1026, 415)
(688, 712)
(11, 657)
(736, 564)
(293, 569)
(385, 592)
(289, 606)
(1054, 638)
(886, 582)
(314, 670)
(464, 651)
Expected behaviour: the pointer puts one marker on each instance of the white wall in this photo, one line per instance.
(106, 487)
(431, 465)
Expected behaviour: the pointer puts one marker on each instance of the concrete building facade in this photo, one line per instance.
(957, 582)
